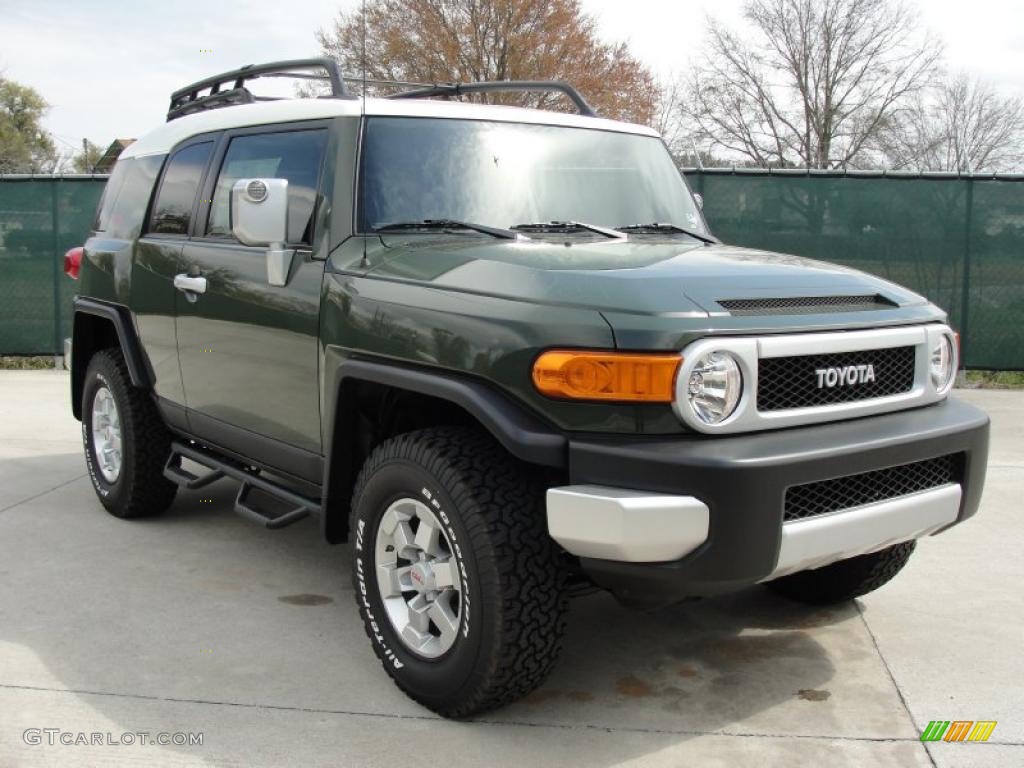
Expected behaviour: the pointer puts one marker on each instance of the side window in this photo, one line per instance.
(172, 210)
(109, 196)
(295, 155)
(128, 203)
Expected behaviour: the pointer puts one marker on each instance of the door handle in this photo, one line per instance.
(190, 284)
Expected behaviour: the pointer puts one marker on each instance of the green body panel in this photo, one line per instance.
(152, 302)
(494, 338)
(106, 270)
(335, 213)
(484, 307)
(247, 349)
(639, 275)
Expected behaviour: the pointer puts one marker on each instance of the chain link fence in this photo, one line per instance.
(40, 218)
(959, 240)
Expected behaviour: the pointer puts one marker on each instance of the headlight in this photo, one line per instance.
(940, 363)
(714, 387)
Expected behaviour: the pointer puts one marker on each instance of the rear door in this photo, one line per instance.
(248, 350)
(158, 257)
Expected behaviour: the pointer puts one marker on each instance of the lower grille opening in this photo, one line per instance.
(826, 496)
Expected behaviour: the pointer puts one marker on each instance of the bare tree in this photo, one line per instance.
(813, 82)
(961, 125)
(665, 115)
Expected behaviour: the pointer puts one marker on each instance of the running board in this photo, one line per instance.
(299, 506)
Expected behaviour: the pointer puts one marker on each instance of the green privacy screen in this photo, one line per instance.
(40, 218)
(958, 241)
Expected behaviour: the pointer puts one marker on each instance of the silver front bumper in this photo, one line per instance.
(821, 540)
(630, 526)
(603, 523)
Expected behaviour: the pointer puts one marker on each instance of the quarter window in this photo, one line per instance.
(109, 196)
(127, 196)
(172, 210)
(295, 156)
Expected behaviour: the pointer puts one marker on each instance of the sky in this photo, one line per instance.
(107, 67)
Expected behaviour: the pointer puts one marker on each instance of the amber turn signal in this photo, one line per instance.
(617, 376)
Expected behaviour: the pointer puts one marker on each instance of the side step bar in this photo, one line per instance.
(250, 480)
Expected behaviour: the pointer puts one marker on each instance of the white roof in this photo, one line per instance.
(161, 140)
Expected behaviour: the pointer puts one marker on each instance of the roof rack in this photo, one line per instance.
(457, 89)
(187, 100)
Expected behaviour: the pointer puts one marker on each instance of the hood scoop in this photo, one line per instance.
(806, 305)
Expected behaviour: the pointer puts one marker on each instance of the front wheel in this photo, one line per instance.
(456, 578)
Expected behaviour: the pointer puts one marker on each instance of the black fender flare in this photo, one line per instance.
(521, 432)
(135, 359)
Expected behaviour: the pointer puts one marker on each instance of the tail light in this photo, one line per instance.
(73, 262)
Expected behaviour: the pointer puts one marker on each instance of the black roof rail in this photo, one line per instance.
(491, 86)
(394, 83)
(187, 100)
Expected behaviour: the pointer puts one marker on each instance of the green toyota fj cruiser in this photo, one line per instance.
(499, 352)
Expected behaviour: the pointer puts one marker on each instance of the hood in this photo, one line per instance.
(630, 276)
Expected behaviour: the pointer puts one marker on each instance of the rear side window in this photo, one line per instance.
(295, 155)
(126, 198)
(109, 196)
(172, 210)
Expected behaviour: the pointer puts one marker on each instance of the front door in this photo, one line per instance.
(248, 350)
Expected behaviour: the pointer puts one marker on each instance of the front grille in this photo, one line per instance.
(825, 496)
(793, 382)
(805, 305)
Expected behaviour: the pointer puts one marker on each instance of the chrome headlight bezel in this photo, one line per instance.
(714, 386)
(943, 361)
(748, 351)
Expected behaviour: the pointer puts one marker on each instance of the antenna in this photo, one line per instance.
(365, 263)
(363, 55)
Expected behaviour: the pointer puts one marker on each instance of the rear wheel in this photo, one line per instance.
(846, 579)
(457, 580)
(126, 441)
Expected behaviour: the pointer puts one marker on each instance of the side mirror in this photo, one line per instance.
(259, 217)
(700, 200)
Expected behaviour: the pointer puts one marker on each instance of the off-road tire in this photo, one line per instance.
(846, 579)
(140, 489)
(510, 637)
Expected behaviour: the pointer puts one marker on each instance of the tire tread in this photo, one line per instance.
(147, 492)
(846, 579)
(497, 500)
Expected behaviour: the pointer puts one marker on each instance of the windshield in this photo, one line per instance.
(507, 174)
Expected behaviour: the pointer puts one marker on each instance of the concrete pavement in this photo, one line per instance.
(202, 622)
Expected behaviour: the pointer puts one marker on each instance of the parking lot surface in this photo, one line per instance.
(201, 622)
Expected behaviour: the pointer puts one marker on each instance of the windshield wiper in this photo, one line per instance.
(656, 228)
(434, 224)
(557, 227)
